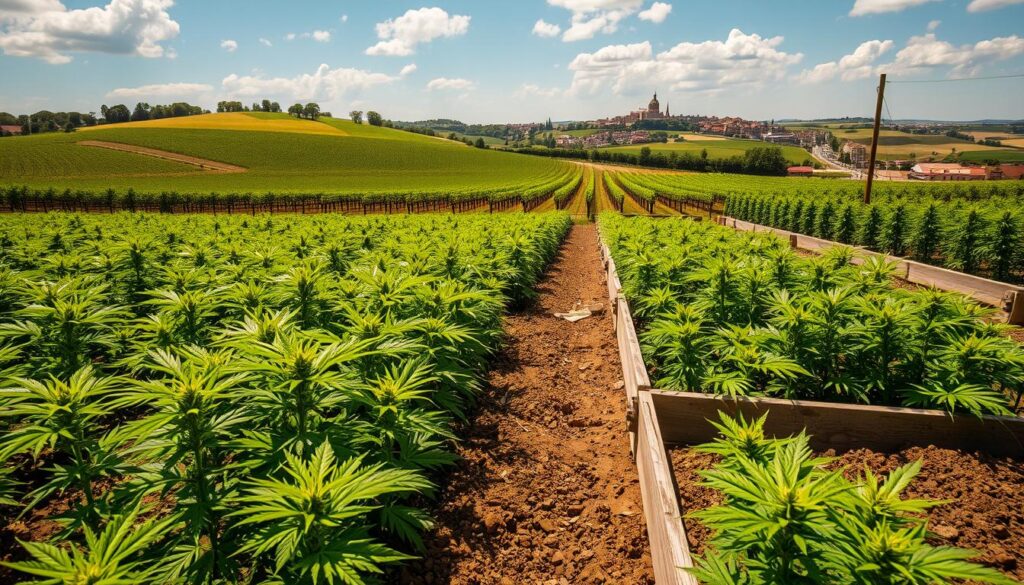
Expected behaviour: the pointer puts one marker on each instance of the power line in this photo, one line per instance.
(1014, 76)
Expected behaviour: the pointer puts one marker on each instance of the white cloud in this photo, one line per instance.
(546, 29)
(408, 70)
(266, 42)
(399, 36)
(324, 83)
(344, 18)
(862, 7)
(983, 5)
(229, 45)
(444, 83)
(162, 90)
(531, 89)
(707, 66)
(934, 25)
(926, 52)
(48, 30)
(590, 17)
(819, 73)
(320, 36)
(657, 13)
(857, 65)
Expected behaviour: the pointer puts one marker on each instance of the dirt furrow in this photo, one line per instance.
(546, 491)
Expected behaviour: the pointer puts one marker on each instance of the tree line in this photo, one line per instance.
(47, 121)
(760, 160)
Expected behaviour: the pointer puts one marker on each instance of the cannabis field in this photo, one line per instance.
(741, 316)
(214, 375)
(228, 399)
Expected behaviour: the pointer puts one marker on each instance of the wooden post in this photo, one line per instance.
(874, 138)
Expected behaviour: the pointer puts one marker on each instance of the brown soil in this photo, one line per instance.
(209, 165)
(985, 511)
(546, 491)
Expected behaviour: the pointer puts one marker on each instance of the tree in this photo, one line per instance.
(275, 107)
(480, 143)
(69, 127)
(312, 110)
(296, 110)
(374, 119)
(118, 113)
(267, 106)
(765, 161)
(141, 112)
(356, 116)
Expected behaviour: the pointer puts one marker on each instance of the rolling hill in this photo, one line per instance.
(278, 153)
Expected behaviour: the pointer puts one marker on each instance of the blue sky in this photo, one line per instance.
(519, 60)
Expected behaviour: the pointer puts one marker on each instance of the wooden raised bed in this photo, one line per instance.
(1008, 298)
(659, 418)
(681, 418)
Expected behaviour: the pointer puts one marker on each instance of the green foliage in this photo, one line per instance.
(738, 313)
(788, 518)
(278, 385)
(971, 228)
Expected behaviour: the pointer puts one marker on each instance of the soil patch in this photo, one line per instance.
(985, 511)
(546, 491)
(208, 165)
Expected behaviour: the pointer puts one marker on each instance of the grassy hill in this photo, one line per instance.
(280, 153)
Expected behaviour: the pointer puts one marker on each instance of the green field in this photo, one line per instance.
(716, 148)
(358, 159)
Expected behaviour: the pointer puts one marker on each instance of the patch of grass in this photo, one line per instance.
(1005, 155)
(41, 158)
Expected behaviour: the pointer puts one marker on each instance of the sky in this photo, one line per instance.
(499, 61)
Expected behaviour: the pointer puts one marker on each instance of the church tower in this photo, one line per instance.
(654, 107)
(668, 110)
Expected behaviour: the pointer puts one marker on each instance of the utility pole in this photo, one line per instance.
(874, 138)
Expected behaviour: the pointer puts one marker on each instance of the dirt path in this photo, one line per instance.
(209, 165)
(546, 491)
(578, 204)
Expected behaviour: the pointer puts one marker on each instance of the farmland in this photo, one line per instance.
(215, 379)
(329, 156)
(269, 397)
(899, 145)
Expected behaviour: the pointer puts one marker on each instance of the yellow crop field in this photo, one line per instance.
(233, 121)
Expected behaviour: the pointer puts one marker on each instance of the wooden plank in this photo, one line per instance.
(614, 285)
(683, 417)
(626, 360)
(669, 549)
(984, 290)
(632, 346)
